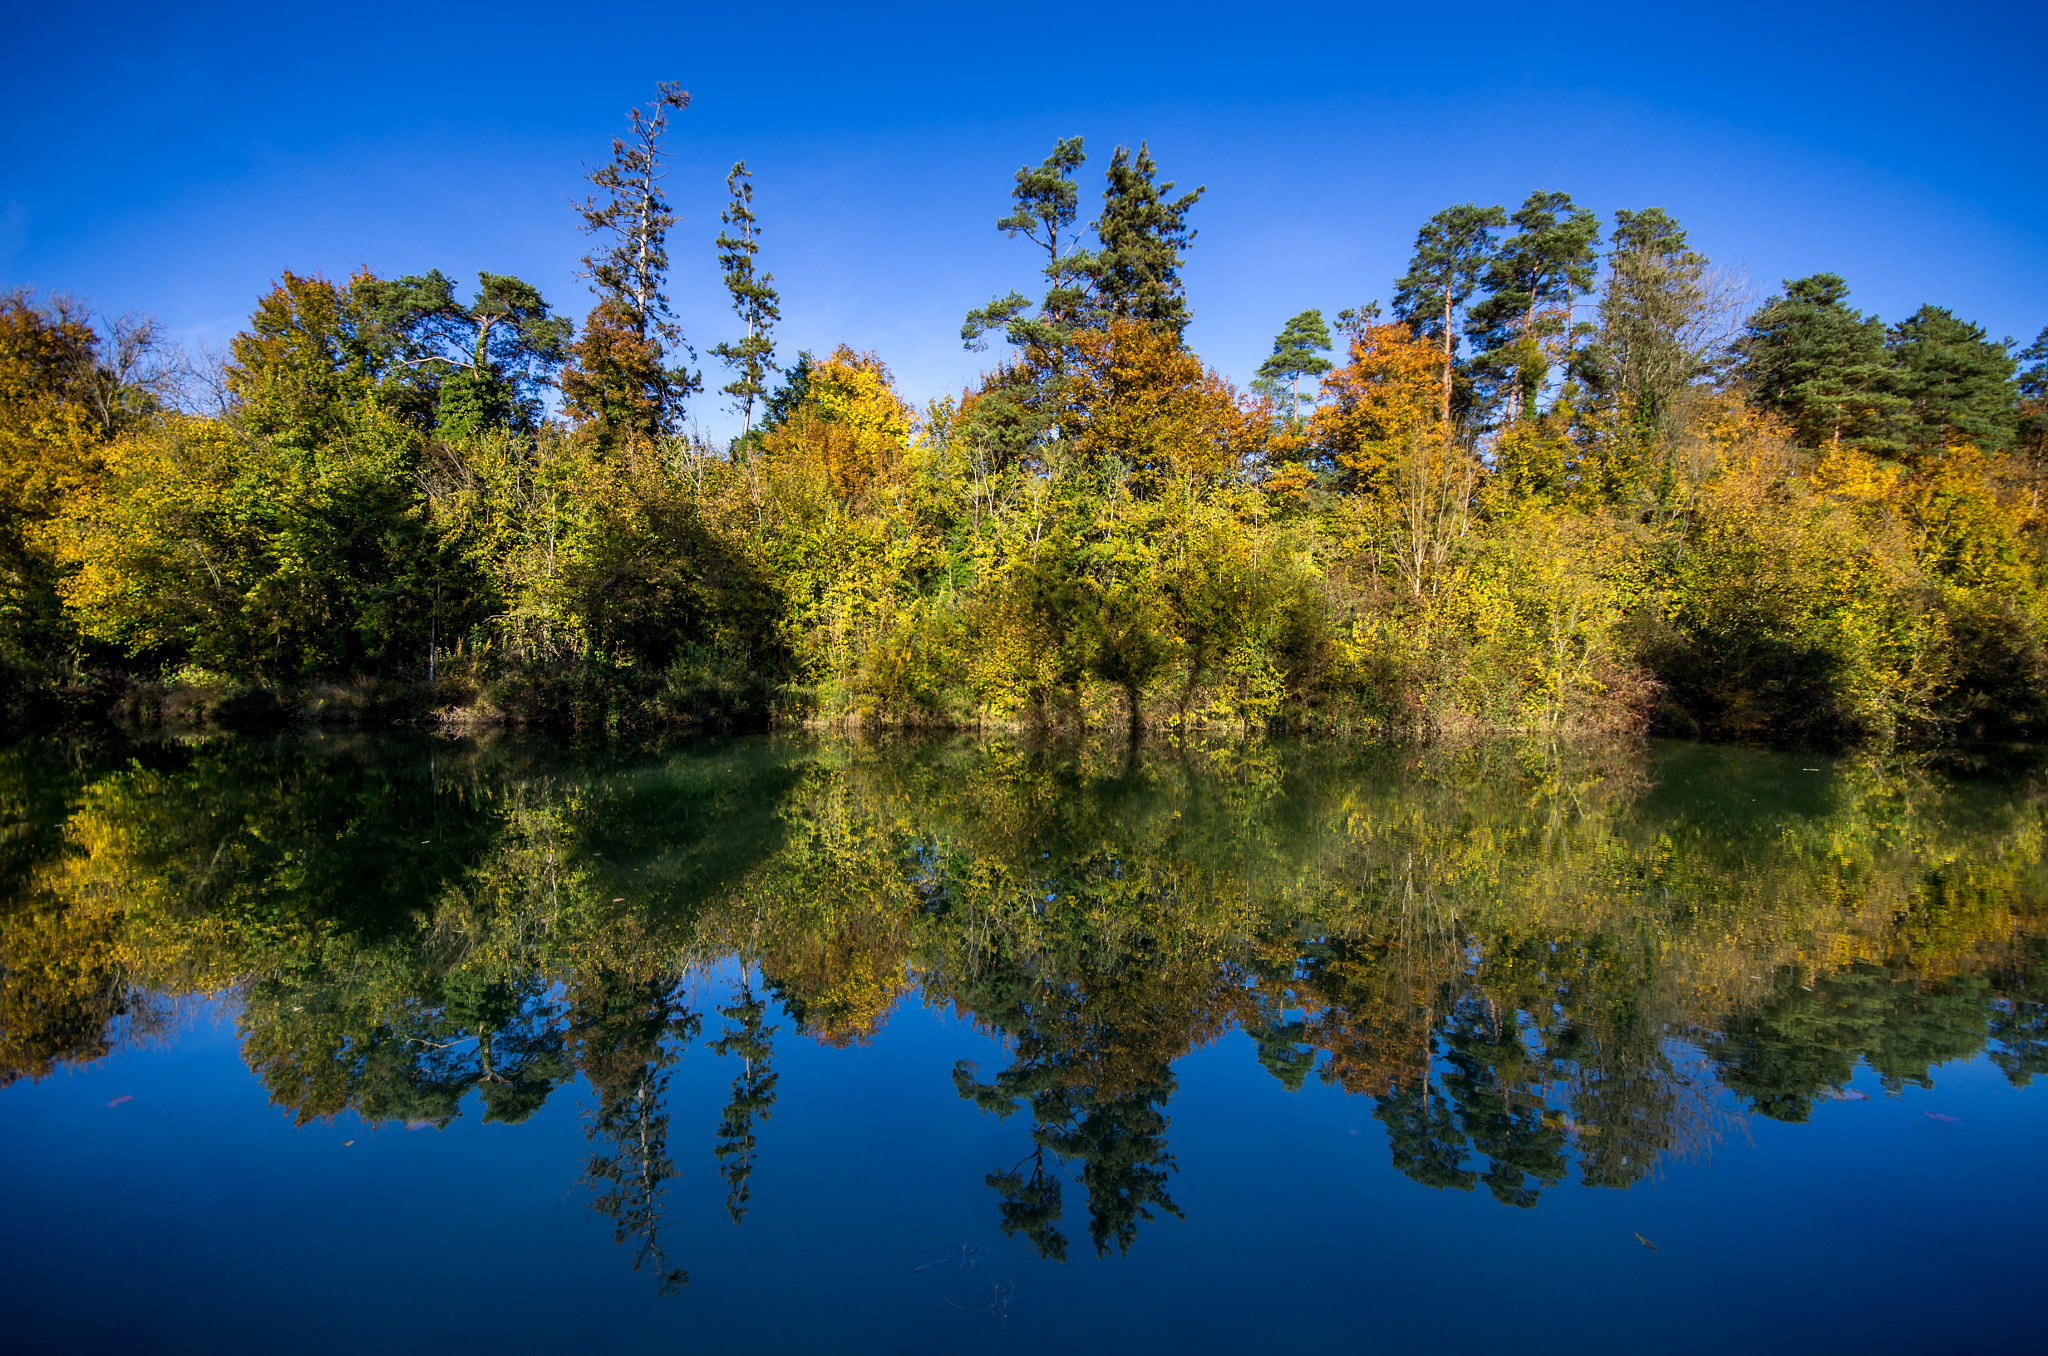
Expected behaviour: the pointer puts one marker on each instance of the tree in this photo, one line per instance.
(620, 378)
(753, 1093)
(629, 1035)
(487, 362)
(1133, 274)
(1453, 250)
(1143, 231)
(1047, 203)
(1297, 353)
(2032, 383)
(312, 360)
(1955, 383)
(1656, 295)
(754, 299)
(1820, 365)
(65, 391)
(1531, 285)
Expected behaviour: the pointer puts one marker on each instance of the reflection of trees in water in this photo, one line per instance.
(745, 1037)
(1528, 967)
(629, 1034)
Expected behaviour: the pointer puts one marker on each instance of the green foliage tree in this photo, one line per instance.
(1651, 309)
(2031, 380)
(1133, 273)
(1532, 284)
(754, 299)
(1297, 352)
(1453, 251)
(748, 1036)
(1047, 203)
(1821, 365)
(1954, 382)
(1143, 230)
(487, 362)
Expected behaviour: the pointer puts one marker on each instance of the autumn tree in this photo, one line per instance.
(620, 378)
(65, 391)
(754, 299)
(313, 361)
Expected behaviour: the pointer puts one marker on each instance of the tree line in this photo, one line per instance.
(1566, 479)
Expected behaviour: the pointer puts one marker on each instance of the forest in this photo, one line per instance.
(1570, 478)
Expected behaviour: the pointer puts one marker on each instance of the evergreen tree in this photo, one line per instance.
(1821, 365)
(1453, 250)
(754, 299)
(1133, 274)
(753, 1093)
(785, 399)
(1956, 384)
(2032, 381)
(482, 364)
(1655, 296)
(621, 379)
(1143, 232)
(1047, 203)
(1530, 286)
(1297, 353)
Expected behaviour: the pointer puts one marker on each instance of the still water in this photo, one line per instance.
(410, 1044)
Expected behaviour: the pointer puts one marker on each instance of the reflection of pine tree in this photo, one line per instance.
(753, 1092)
(629, 1033)
(1031, 1205)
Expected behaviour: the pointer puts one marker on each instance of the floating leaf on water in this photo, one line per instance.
(124, 1097)
(1945, 1120)
(1645, 1242)
(345, 1143)
(618, 901)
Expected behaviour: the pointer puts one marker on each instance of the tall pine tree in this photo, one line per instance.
(1297, 352)
(754, 299)
(1046, 205)
(1531, 285)
(1143, 232)
(1132, 274)
(620, 376)
(1453, 250)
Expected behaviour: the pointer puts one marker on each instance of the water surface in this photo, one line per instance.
(410, 1044)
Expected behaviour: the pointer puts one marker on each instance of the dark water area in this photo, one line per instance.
(407, 1044)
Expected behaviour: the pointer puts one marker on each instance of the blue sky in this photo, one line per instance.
(175, 159)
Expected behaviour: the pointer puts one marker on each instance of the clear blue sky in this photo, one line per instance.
(174, 159)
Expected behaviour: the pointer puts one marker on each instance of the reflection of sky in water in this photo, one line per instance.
(195, 1214)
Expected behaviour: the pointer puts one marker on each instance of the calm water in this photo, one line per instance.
(398, 1044)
